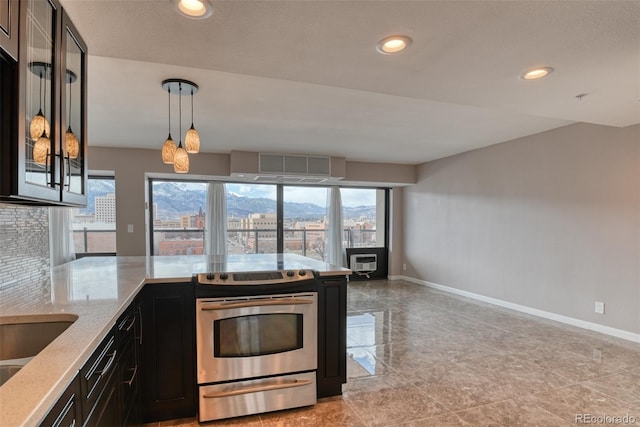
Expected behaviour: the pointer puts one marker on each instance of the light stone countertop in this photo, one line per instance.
(97, 290)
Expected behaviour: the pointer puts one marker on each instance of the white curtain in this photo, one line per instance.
(216, 220)
(61, 248)
(334, 238)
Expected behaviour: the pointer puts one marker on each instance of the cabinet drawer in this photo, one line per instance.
(95, 374)
(66, 411)
(126, 327)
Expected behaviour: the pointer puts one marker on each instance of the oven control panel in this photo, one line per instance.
(255, 277)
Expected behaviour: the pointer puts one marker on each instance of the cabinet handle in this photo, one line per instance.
(257, 303)
(108, 365)
(133, 376)
(68, 173)
(64, 412)
(127, 328)
(46, 168)
(140, 317)
(258, 388)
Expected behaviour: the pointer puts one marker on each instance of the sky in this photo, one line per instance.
(316, 195)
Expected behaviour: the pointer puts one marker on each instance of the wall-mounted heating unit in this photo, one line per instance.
(363, 263)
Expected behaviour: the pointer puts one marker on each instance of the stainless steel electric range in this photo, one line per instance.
(256, 335)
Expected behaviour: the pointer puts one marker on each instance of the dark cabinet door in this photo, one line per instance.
(128, 366)
(37, 171)
(107, 410)
(73, 117)
(332, 336)
(168, 351)
(9, 27)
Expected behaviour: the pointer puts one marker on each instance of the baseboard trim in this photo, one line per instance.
(596, 327)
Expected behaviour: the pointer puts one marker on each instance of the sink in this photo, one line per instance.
(7, 371)
(23, 337)
(26, 336)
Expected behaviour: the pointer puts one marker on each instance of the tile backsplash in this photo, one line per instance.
(24, 245)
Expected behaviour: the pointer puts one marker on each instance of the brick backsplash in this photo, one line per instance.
(24, 247)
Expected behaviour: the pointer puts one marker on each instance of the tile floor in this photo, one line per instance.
(421, 357)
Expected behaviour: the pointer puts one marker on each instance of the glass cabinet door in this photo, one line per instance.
(40, 88)
(73, 114)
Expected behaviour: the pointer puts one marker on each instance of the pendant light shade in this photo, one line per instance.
(177, 154)
(181, 160)
(39, 124)
(192, 140)
(168, 151)
(72, 145)
(41, 150)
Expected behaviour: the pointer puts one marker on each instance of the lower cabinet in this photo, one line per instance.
(167, 351)
(105, 392)
(332, 335)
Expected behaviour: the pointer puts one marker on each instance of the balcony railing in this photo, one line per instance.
(190, 241)
(89, 242)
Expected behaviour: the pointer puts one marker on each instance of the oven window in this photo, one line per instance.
(257, 335)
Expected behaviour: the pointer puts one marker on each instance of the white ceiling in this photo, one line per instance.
(304, 76)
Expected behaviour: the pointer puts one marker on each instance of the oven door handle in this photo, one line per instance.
(255, 303)
(258, 389)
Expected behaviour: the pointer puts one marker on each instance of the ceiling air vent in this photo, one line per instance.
(294, 165)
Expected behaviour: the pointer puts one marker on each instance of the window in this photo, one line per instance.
(252, 218)
(179, 217)
(94, 227)
(363, 215)
(305, 210)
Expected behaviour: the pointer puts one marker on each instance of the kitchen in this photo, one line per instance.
(493, 191)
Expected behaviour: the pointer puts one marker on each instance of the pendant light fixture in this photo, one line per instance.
(169, 147)
(39, 122)
(178, 155)
(72, 145)
(41, 149)
(192, 139)
(181, 158)
(39, 128)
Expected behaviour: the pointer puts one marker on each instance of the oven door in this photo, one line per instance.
(251, 337)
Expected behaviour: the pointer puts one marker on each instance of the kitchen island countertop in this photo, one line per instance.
(97, 290)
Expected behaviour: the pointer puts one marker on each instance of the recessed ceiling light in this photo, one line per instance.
(537, 73)
(197, 9)
(393, 44)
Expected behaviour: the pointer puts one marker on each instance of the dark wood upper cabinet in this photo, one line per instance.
(9, 27)
(73, 114)
(43, 163)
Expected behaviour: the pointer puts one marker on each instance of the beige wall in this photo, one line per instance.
(131, 166)
(550, 221)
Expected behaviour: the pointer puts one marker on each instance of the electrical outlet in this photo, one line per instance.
(599, 307)
(130, 228)
(404, 267)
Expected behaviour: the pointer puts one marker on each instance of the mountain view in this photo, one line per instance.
(174, 199)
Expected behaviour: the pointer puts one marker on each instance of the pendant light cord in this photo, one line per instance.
(169, 90)
(41, 97)
(70, 99)
(180, 117)
(191, 106)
